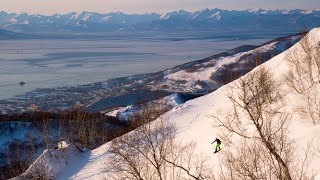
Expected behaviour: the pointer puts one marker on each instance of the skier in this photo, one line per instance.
(218, 144)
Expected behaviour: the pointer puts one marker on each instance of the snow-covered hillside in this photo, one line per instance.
(194, 121)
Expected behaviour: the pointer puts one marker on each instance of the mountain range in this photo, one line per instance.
(206, 20)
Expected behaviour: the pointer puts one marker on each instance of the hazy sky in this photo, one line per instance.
(142, 6)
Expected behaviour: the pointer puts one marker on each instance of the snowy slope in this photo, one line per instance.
(195, 123)
(205, 73)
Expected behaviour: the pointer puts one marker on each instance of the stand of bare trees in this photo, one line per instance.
(151, 152)
(304, 75)
(88, 130)
(264, 150)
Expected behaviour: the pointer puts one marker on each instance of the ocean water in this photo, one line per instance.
(47, 63)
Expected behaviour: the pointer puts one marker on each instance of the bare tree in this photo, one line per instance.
(304, 74)
(45, 131)
(150, 153)
(302, 169)
(265, 151)
(257, 117)
(251, 161)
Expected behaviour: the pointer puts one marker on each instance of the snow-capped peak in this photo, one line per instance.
(13, 20)
(216, 15)
(286, 12)
(106, 18)
(204, 10)
(86, 16)
(75, 15)
(25, 22)
(165, 16)
(308, 12)
(258, 10)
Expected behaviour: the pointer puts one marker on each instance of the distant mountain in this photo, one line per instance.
(4, 34)
(207, 19)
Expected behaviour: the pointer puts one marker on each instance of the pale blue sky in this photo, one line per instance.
(143, 6)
